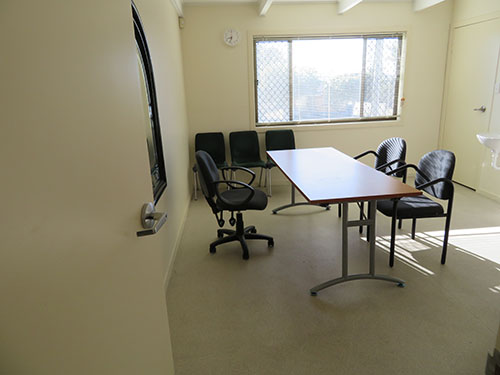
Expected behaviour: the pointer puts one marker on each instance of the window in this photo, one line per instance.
(327, 79)
(153, 134)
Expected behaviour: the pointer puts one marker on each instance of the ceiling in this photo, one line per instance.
(264, 5)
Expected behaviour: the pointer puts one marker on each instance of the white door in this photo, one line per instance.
(81, 294)
(471, 83)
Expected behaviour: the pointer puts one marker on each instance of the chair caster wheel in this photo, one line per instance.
(313, 294)
(246, 256)
(212, 249)
(270, 243)
(327, 208)
(401, 285)
(274, 212)
(220, 234)
(253, 230)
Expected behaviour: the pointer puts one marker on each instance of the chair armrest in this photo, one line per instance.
(383, 166)
(405, 167)
(233, 168)
(437, 181)
(231, 183)
(365, 153)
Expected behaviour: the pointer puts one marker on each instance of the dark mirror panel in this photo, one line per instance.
(153, 133)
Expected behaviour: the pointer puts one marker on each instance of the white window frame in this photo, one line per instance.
(342, 123)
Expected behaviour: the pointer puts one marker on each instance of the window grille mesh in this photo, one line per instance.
(327, 79)
(381, 77)
(273, 86)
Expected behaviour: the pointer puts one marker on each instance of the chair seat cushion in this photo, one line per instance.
(250, 164)
(412, 207)
(258, 201)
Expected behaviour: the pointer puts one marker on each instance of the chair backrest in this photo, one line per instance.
(280, 140)
(208, 173)
(213, 143)
(244, 146)
(437, 164)
(389, 150)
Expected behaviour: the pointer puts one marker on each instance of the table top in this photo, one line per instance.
(326, 175)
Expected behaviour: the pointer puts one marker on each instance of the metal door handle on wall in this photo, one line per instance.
(480, 109)
(151, 220)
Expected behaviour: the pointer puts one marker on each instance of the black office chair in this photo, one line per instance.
(282, 140)
(239, 197)
(434, 174)
(390, 154)
(213, 143)
(245, 151)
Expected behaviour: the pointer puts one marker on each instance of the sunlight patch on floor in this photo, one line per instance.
(404, 248)
(481, 242)
(496, 289)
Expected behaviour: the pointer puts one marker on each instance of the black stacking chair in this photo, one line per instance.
(277, 140)
(213, 143)
(434, 174)
(281, 140)
(245, 151)
(239, 197)
(390, 155)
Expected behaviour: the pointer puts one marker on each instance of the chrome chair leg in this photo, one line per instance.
(195, 185)
(268, 182)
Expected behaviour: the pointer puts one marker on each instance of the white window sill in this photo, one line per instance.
(330, 126)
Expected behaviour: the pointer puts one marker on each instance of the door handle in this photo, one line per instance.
(480, 109)
(151, 220)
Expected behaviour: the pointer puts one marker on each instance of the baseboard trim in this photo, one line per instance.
(168, 274)
(489, 195)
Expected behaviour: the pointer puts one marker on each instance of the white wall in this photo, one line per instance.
(81, 294)
(217, 76)
(469, 9)
(467, 12)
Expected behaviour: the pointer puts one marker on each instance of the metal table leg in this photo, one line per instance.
(293, 203)
(370, 222)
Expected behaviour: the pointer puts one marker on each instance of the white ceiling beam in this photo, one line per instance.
(264, 6)
(345, 5)
(419, 5)
(178, 7)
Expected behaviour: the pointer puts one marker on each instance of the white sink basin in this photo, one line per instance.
(492, 141)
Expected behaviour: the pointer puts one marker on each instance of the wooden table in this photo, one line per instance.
(326, 175)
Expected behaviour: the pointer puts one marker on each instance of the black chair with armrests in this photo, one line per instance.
(434, 174)
(390, 154)
(214, 144)
(238, 197)
(245, 151)
(282, 139)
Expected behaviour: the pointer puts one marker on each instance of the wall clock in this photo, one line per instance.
(231, 37)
